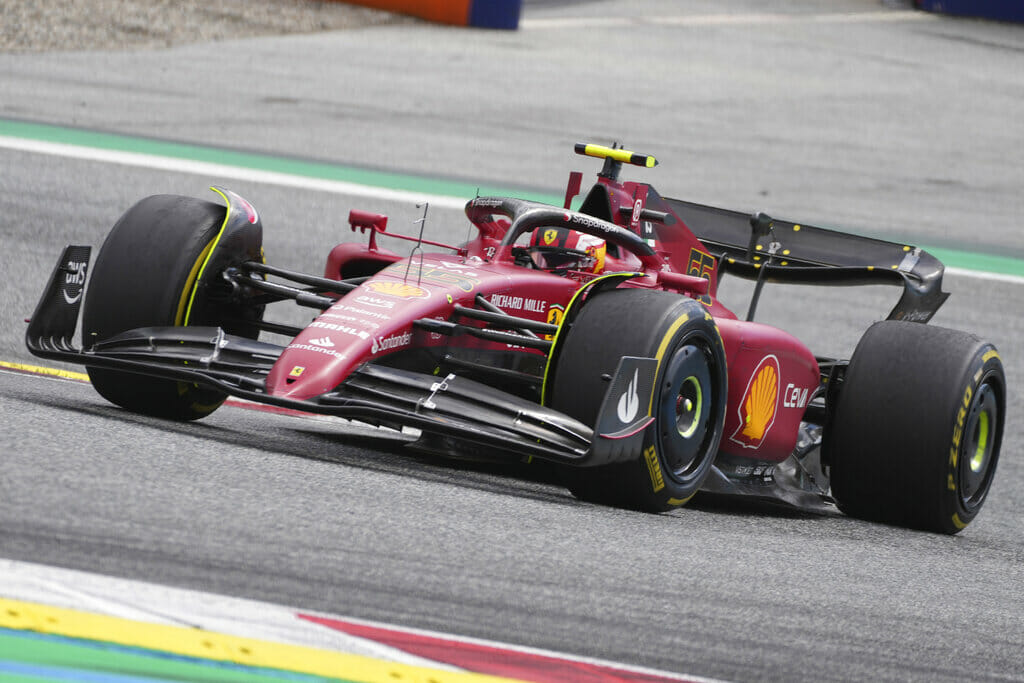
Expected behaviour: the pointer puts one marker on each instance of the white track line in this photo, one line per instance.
(206, 168)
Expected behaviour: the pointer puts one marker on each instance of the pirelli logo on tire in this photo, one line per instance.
(654, 468)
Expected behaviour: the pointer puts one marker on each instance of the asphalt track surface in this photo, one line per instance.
(888, 122)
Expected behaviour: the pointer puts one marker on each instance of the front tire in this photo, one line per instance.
(144, 276)
(689, 401)
(915, 434)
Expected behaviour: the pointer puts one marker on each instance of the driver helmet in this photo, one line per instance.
(565, 249)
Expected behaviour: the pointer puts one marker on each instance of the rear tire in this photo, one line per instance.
(916, 428)
(689, 397)
(144, 276)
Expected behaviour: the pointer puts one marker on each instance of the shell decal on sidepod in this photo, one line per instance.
(759, 404)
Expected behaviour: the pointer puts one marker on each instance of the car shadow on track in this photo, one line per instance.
(360, 447)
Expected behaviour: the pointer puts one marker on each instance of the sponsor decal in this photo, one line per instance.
(958, 429)
(634, 220)
(438, 276)
(249, 209)
(374, 301)
(594, 224)
(344, 329)
(395, 341)
(550, 235)
(363, 312)
(487, 201)
(297, 371)
(758, 406)
(322, 341)
(338, 316)
(306, 347)
(639, 199)
(629, 402)
(519, 303)
(350, 319)
(794, 396)
(456, 266)
(400, 290)
(654, 468)
(74, 279)
(701, 265)
(456, 275)
(555, 314)
(913, 316)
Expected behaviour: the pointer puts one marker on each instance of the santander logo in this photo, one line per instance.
(388, 343)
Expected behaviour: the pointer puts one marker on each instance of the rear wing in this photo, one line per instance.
(761, 248)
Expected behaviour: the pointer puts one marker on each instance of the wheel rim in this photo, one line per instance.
(689, 405)
(684, 412)
(977, 450)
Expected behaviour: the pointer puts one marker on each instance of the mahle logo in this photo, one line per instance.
(758, 407)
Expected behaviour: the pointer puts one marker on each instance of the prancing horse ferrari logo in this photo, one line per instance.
(550, 235)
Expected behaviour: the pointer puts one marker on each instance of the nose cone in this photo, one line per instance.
(322, 355)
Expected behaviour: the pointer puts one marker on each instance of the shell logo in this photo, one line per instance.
(399, 290)
(758, 407)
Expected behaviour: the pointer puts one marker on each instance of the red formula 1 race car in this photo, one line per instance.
(592, 338)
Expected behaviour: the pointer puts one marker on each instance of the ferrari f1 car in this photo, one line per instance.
(592, 338)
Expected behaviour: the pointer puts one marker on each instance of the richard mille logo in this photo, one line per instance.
(629, 402)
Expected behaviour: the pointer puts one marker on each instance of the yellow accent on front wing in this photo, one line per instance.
(194, 642)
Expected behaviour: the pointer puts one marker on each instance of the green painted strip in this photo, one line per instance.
(56, 652)
(966, 260)
(263, 162)
(987, 263)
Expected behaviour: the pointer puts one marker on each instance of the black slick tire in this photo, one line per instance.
(689, 400)
(144, 276)
(913, 438)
